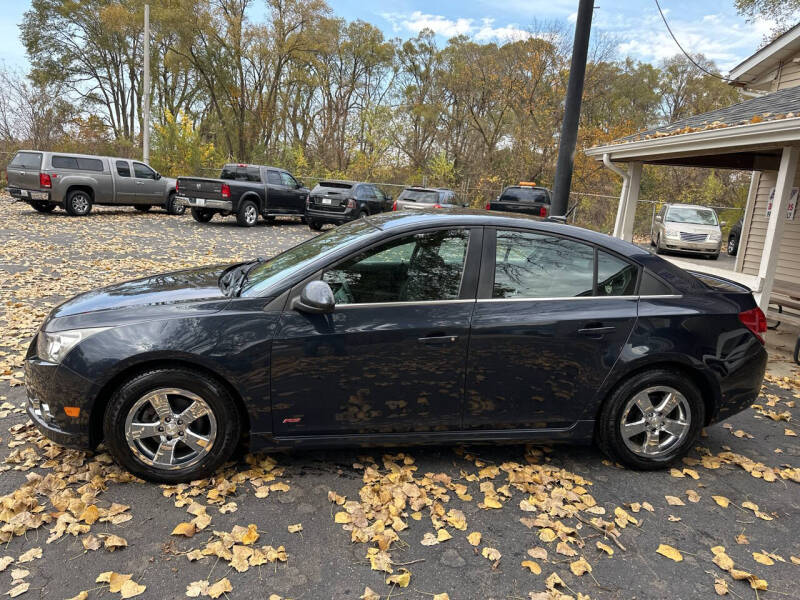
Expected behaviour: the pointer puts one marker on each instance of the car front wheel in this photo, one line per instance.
(174, 207)
(651, 419)
(171, 425)
(733, 245)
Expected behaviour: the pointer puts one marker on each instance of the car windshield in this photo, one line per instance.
(423, 196)
(286, 264)
(694, 216)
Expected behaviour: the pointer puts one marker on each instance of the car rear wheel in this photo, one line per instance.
(173, 207)
(659, 249)
(79, 203)
(248, 214)
(171, 425)
(651, 419)
(314, 226)
(143, 207)
(202, 215)
(43, 207)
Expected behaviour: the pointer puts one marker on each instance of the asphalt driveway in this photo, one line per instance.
(553, 522)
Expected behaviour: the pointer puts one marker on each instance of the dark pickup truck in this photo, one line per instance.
(526, 198)
(245, 191)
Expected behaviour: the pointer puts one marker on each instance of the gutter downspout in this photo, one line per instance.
(623, 197)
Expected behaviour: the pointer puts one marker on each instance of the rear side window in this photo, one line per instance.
(90, 164)
(525, 194)
(26, 160)
(123, 168)
(532, 265)
(65, 162)
(652, 286)
(615, 277)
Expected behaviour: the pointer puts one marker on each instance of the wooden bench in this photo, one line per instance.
(784, 306)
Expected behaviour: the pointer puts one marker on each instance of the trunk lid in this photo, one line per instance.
(331, 195)
(200, 187)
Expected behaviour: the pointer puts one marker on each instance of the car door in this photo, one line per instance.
(295, 198)
(392, 356)
(124, 182)
(546, 330)
(276, 192)
(149, 190)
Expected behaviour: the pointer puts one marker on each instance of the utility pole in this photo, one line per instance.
(146, 90)
(572, 110)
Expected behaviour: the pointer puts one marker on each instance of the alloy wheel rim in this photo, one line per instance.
(80, 203)
(170, 429)
(655, 421)
(731, 246)
(250, 214)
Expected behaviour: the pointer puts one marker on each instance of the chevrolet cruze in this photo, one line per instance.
(423, 327)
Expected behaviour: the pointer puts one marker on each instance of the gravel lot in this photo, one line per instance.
(80, 502)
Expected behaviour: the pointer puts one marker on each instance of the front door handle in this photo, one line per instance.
(438, 339)
(596, 331)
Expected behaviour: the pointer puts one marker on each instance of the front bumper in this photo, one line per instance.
(328, 216)
(694, 247)
(52, 387)
(205, 203)
(28, 195)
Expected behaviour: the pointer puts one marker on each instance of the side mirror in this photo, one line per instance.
(316, 299)
(658, 218)
(299, 184)
(723, 223)
(158, 175)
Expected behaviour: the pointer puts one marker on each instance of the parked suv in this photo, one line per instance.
(245, 191)
(337, 202)
(687, 228)
(419, 198)
(526, 198)
(734, 237)
(76, 182)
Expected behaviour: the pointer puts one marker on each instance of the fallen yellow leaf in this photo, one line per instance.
(763, 559)
(401, 579)
(580, 566)
(474, 538)
(533, 566)
(185, 529)
(670, 552)
(722, 501)
(131, 589)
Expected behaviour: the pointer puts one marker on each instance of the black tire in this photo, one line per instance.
(174, 208)
(202, 215)
(314, 226)
(43, 206)
(363, 213)
(142, 207)
(608, 434)
(733, 245)
(714, 256)
(247, 216)
(303, 220)
(79, 203)
(658, 245)
(211, 391)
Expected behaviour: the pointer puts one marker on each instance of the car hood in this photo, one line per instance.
(693, 227)
(165, 290)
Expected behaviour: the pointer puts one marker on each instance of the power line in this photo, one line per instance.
(677, 43)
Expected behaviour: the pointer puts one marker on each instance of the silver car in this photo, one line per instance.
(687, 228)
(76, 182)
(420, 198)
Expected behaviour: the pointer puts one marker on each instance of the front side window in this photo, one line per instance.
(123, 168)
(288, 180)
(533, 265)
(142, 171)
(274, 178)
(414, 268)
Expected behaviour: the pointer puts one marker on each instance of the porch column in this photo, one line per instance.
(629, 213)
(777, 219)
(623, 199)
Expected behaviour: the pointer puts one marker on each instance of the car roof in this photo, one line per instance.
(526, 187)
(402, 219)
(250, 165)
(347, 181)
(420, 188)
(689, 205)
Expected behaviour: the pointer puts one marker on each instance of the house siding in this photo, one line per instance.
(788, 76)
(788, 268)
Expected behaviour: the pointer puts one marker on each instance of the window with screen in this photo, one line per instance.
(420, 267)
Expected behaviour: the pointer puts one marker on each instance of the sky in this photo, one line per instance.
(711, 27)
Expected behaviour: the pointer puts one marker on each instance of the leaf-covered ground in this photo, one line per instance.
(473, 523)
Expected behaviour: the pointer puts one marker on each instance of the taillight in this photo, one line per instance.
(755, 321)
(543, 211)
(489, 205)
(45, 181)
(437, 206)
(226, 190)
(351, 203)
(394, 205)
(176, 187)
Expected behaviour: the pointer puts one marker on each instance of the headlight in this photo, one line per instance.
(715, 236)
(672, 233)
(54, 346)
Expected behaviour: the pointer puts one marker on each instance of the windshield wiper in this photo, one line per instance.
(230, 280)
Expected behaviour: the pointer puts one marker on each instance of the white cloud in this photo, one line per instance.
(484, 31)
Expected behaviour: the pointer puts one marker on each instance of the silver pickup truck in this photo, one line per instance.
(76, 182)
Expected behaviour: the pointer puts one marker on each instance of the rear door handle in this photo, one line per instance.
(596, 331)
(438, 339)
